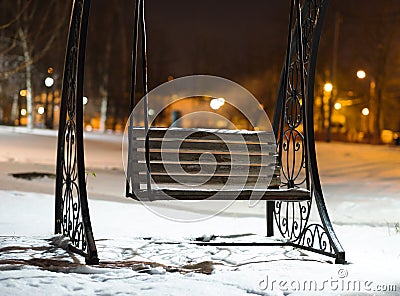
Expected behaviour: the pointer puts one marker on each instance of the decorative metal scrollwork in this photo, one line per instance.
(291, 139)
(71, 206)
(292, 218)
(71, 82)
(311, 11)
(293, 163)
(295, 135)
(314, 236)
(72, 212)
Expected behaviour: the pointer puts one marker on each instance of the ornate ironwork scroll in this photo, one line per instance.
(293, 125)
(72, 217)
(292, 218)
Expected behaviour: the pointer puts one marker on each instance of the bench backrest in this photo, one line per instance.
(208, 158)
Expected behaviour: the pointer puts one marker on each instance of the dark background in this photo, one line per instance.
(240, 40)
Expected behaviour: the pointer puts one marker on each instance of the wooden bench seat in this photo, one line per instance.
(214, 164)
(294, 194)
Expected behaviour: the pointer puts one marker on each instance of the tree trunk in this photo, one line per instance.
(14, 109)
(28, 71)
(103, 107)
(104, 87)
(378, 127)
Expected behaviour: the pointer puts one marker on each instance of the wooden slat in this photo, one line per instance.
(220, 157)
(189, 146)
(196, 179)
(215, 187)
(295, 194)
(206, 134)
(194, 168)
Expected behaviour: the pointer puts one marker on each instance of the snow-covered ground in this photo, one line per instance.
(361, 184)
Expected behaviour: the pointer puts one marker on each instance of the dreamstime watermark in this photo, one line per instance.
(339, 283)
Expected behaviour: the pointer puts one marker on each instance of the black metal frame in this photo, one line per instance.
(292, 124)
(72, 217)
(294, 109)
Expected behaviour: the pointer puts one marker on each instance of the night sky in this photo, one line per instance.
(240, 40)
(245, 40)
(222, 37)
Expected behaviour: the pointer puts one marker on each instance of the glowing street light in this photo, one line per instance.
(85, 100)
(338, 106)
(328, 87)
(365, 111)
(361, 74)
(215, 104)
(23, 92)
(40, 110)
(372, 108)
(49, 82)
(23, 112)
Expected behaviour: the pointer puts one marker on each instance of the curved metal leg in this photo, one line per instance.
(72, 217)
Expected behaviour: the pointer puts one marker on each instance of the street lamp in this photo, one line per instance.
(41, 110)
(215, 104)
(365, 111)
(328, 87)
(48, 82)
(361, 74)
(365, 117)
(23, 92)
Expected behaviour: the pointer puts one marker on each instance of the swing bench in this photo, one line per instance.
(174, 169)
(277, 166)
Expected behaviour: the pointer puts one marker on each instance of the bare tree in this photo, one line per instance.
(32, 27)
(382, 58)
